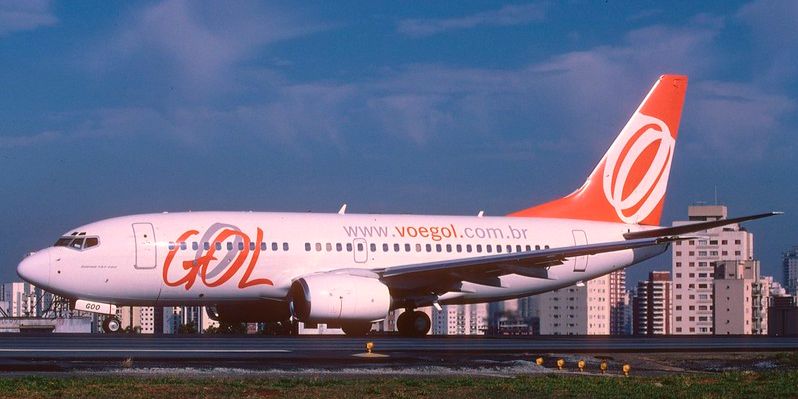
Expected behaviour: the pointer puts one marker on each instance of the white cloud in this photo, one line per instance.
(23, 15)
(196, 45)
(775, 39)
(572, 103)
(31, 140)
(505, 16)
(739, 119)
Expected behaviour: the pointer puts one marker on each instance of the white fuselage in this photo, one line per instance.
(185, 258)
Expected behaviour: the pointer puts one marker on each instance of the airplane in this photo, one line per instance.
(353, 269)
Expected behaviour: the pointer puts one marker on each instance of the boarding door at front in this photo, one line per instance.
(145, 248)
(361, 250)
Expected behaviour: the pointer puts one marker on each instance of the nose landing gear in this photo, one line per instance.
(112, 325)
(413, 323)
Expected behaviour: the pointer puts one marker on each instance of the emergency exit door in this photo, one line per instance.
(580, 262)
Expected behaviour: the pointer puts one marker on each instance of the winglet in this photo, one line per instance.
(342, 210)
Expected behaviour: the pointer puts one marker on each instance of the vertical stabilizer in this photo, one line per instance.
(629, 183)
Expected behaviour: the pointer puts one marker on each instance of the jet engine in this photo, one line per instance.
(340, 297)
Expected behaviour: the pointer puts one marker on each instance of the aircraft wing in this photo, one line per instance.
(486, 269)
(694, 227)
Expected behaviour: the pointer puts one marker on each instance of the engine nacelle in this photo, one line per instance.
(340, 297)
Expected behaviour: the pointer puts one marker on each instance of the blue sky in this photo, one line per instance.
(110, 108)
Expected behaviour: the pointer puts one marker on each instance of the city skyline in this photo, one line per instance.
(112, 109)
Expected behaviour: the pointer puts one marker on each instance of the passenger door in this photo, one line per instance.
(146, 252)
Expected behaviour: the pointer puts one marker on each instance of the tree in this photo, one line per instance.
(188, 328)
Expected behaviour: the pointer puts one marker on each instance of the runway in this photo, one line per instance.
(304, 348)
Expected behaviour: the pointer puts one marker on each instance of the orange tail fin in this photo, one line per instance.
(629, 183)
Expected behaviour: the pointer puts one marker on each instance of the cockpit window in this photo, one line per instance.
(78, 243)
(63, 242)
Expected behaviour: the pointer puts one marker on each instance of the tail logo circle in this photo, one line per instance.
(640, 133)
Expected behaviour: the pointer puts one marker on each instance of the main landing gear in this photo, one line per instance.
(356, 329)
(413, 323)
(112, 325)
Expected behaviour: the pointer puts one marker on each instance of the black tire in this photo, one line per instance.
(413, 323)
(421, 324)
(404, 322)
(356, 329)
(112, 325)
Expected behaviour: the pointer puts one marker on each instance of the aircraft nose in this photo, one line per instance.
(35, 269)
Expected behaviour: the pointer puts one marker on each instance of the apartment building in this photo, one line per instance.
(693, 268)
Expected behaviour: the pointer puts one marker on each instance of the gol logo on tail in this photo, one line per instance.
(623, 168)
(223, 270)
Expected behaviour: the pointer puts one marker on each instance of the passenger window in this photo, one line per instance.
(318, 247)
(518, 248)
(285, 246)
(339, 247)
(479, 248)
(468, 248)
(329, 247)
(429, 247)
(240, 245)
(407, 247)
(537, 247)
(360, 246)
(171, 245)
(194, 245)
(498, 249)
(459, 248)
(488, 248)
(229, 246)
(349, 247)
(206, 245)
(91, 242)
(385, 247)
(438, 248)
(252, 245)
(546, 247)
(396, 247)
(418, 247)
(183, 246)
(448, 247)
(307, 247)
(528, 248)
(510, 248)
(218, 246)
(262, 246)
(274, 246)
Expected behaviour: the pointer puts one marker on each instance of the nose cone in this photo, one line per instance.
(35, 269)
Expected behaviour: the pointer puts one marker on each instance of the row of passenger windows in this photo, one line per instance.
(396, 247)
(275, 246)
(348, 247)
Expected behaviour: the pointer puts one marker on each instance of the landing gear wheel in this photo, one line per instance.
(356, 329)
(112, 325)
(413, 323)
